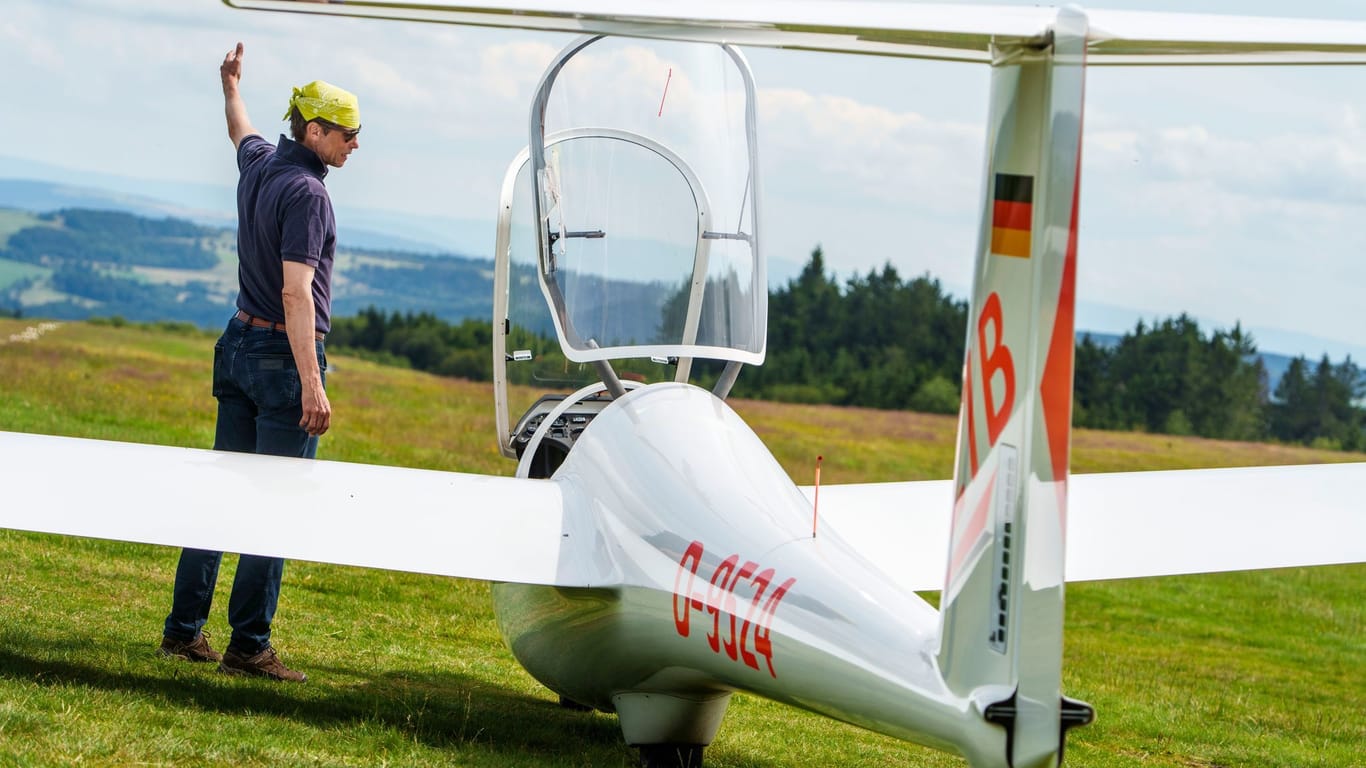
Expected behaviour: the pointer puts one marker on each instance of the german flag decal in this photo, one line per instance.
(1012, 213)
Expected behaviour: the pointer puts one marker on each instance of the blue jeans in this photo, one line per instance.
(259, 408)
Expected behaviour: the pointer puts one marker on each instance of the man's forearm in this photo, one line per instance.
(239, 125)
(299, 326)
(299, 319)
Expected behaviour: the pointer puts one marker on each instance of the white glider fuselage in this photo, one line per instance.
(704, 578)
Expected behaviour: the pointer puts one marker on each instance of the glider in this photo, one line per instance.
(651, 557)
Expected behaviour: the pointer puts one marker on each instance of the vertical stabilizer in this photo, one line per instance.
(1001, 642)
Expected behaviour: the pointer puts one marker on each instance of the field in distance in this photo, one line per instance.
(1251, 669)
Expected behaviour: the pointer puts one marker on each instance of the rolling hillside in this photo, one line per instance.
(79, 263)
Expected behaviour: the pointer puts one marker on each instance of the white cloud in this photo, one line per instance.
(21, 41)
(385, 85)
(1192, 178)
(510, 70)
(871, 184)
(1257, 228)
(871, 152)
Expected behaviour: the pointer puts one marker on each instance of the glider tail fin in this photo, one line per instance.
(1002, 604)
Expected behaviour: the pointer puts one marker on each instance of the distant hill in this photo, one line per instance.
(76, 263)
(367, 229)
(42, 197)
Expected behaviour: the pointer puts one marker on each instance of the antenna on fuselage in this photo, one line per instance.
(816, 498)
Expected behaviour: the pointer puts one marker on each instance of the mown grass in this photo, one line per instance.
(1251, 669)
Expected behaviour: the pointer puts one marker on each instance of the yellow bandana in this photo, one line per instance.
(333, 104)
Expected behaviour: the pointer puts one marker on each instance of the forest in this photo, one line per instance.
(882, 341)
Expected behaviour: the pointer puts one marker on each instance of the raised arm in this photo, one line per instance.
(239, 125)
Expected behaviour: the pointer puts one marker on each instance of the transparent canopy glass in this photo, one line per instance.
(628, 227)
(644, 166)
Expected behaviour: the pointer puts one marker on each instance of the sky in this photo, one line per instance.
(1234, 194)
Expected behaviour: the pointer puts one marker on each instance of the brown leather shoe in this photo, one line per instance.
(263, 664)
(195, 650)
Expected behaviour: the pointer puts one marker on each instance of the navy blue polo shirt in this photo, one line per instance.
(283, 214)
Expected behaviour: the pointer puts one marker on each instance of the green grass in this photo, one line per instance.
(1250, 669)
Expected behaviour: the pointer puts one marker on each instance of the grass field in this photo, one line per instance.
(1251, 669)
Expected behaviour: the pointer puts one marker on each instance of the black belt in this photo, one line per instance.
(261, 322)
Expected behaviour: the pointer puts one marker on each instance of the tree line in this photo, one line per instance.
(877, 341)
(1171, 378)
(882, 341)
(420, 340)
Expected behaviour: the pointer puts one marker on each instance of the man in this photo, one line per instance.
(268, 369)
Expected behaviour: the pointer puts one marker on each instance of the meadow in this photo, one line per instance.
(1260, 669)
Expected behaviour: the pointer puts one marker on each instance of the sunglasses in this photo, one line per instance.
(348, 134)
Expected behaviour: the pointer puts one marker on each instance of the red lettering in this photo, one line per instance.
(745, 572)
(763, 640)
(721, 597)
(996, 360)
(760, 584)
(972, 425)
(684, 598)
(716, 599)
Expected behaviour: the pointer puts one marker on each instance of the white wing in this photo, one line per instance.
(447, 523)
(1121, 525)
(1132, 524)
(954, 32)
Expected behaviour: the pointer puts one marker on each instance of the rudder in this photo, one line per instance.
(1002, 604)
